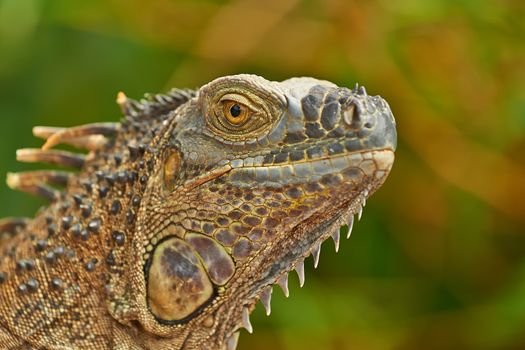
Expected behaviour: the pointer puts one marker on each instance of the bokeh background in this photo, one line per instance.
(438, 260)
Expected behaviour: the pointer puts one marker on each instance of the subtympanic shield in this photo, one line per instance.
(178, 284)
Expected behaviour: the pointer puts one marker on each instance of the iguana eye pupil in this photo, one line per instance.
(236, 113)
(235, 110)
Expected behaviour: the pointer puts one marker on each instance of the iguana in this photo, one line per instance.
(183, 215)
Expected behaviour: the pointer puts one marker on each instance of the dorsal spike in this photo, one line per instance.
(52, 177)
(12, 225)
(123, 102)
(44, 132)
(128, 106)
(34, 182)
(63, 158)
(157, 105)
(16, 182)
(91, 143)
(106, 129)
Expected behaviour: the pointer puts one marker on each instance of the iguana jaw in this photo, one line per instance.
(303, 239)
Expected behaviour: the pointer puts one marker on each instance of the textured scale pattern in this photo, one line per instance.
(185, 214)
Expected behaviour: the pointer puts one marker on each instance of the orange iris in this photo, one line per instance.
(235, 112)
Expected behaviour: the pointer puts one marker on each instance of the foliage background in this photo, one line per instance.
(438, 261)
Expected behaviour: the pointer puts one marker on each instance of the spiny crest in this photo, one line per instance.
(40, 257)
(102, 140)
(91, 137)
(153, 106)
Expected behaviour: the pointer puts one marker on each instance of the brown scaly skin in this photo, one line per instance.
(186, 213)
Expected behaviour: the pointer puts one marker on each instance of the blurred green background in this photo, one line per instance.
(438, 260)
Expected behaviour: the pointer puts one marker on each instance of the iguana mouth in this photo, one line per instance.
(250, 173)
(316, 228)
(307, 171)
(207, 177)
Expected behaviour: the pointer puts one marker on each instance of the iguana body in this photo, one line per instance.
(186, 213)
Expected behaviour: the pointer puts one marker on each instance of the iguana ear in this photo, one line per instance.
(172, 162)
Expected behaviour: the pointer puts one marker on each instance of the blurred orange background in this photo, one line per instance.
(438, 260)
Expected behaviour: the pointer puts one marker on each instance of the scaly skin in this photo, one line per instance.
(186, 213)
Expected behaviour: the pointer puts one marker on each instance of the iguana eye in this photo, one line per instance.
(236, 113)
(239, 113)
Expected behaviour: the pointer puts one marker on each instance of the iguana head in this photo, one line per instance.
(249, 177)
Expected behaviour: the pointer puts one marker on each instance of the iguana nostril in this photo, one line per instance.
(351, 116)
